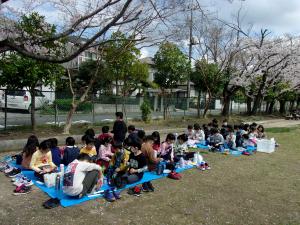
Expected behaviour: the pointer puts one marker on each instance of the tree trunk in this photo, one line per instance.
(69, 118)
(267, 106)
(271, 107)
(207, 104)
(282, 109)
(256, 104)
(292, 106)
(226, 106)
(198, 104)
(249, 103)
(32, 108)
(116, 99)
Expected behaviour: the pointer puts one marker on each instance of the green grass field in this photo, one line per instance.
(258, 189)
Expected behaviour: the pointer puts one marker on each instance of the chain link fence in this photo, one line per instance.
(52, 107)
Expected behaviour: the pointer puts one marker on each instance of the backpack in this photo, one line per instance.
(174, 176)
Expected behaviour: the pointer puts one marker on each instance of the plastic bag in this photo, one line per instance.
(49, 179)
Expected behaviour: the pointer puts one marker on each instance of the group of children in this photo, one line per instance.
(226, 135)
(124, 159)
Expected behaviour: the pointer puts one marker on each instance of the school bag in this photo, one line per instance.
(174, 176)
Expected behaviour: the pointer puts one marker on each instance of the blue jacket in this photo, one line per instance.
(70, 154)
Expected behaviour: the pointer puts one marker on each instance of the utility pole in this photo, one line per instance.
(188, 89)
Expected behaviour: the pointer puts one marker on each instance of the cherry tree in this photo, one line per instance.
(266, 63)
(91, 20)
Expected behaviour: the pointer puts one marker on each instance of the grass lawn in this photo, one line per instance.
(258, 189)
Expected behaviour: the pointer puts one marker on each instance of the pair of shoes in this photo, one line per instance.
(3, 166)
(201, 166)
(145, 187)
(8, 169)
(51, 203)
(111, 196)
(27, 182)
(18, 177)
(22, 190)
(150, 186)
(136, 191)
(13, 173)
(206, 166)
(116, 194)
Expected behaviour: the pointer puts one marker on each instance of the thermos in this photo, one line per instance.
(57, 182)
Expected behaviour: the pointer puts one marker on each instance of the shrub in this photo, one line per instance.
(146, 111)
(65, 105)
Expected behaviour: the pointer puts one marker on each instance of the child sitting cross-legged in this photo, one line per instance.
(105, 152)
(190, 132)
(216, 140)
(89, 147)
(71, 151)
(81, 177)
(136, 168)
(41, 161)
(167, 148)
(55, 151)
(156, 141)
(117, 168)
(199, 135)
(181, 148)
(28, 150)
(230, 138)
(151, 159)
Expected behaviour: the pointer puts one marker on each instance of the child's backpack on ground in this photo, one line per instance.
(174, 176)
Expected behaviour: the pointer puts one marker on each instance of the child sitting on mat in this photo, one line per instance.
(105, 152)
(261, 132)
(117, 168)
(230, 138)
(190, 132)
(82, 177)
(105, 134)
(136, 167)
(216, 140)
(71, 151)
(167, 148)
(41, 161)
(199, 135)
(28, 150)
(55, 151)
(89, 147)
(156, 141)
(181, 148)
(151, 158)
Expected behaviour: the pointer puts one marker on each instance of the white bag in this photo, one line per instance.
(49, 179)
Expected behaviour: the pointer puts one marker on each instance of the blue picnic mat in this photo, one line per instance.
(233, 152)
(67, 201)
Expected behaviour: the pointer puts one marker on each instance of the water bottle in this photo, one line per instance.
(160, 168)
(62, 170)
(58, 186)
(181, 162)
(57, 182)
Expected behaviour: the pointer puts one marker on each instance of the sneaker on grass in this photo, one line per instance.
(14, 173)
(109, 196)
(22, 190)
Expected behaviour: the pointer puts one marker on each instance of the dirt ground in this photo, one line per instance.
(258, 189)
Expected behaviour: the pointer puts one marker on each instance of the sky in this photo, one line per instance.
(278, 16)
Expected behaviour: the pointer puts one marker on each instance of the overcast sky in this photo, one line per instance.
(279, 16)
